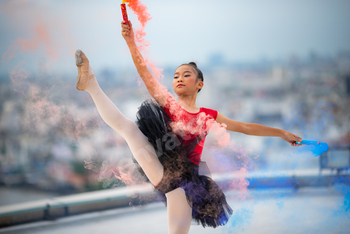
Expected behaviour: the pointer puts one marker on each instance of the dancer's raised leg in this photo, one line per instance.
(179, 212)
(141, 149)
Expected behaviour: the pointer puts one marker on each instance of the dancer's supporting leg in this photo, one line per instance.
(179, 212)
(141, 149)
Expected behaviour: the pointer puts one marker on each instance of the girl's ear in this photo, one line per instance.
(200, 84)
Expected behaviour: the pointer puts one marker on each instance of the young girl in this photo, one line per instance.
(168, 136)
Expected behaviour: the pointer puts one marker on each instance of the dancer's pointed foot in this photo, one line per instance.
(85, 72)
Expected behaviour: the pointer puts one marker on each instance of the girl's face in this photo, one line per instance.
(185, 81)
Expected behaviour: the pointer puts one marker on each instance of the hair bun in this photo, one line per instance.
(193, 64)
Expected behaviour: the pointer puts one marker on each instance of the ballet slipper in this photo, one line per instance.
(84, 70)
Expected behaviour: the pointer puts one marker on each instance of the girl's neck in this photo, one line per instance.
(188, 103)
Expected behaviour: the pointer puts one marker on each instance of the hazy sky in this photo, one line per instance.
(180, 31)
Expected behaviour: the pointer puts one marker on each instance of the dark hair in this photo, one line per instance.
(199, 72)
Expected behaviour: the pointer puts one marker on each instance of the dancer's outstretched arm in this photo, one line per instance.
(257, 129)
(154, 87)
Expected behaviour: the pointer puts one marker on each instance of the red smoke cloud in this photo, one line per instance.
(42, 39)
(37, 30)
(143, 17)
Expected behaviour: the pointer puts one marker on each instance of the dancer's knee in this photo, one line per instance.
(130, 128)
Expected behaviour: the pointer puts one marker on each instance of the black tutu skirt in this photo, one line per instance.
(208, 202)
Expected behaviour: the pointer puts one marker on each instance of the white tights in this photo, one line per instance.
(179, 212)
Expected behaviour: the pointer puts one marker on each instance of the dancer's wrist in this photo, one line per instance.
(130, 42)
(282, 133)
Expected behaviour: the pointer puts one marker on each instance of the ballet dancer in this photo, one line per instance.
(187, 83)
(167, 139)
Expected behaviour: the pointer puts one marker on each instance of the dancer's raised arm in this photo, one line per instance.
(154, 87)
(257, 129)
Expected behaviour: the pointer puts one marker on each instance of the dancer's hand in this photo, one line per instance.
(127, 32)
(291, 138)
